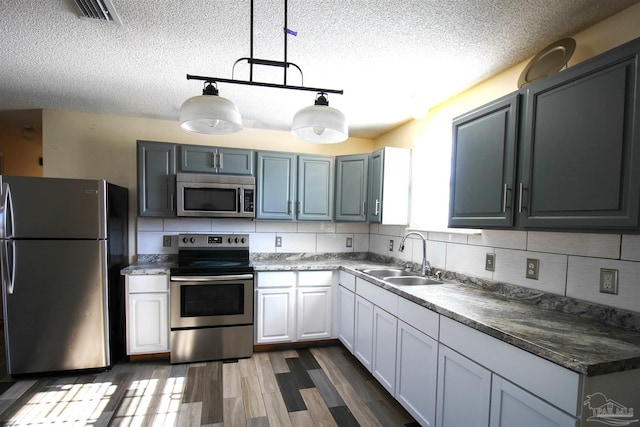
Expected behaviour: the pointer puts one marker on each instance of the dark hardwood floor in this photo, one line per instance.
(320, 386)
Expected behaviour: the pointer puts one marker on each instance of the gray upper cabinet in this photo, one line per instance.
(351, 187)
(315, 188)
(205, 159)
(294, 187)
(156, 179)
(483, 165)
(276, 185)
(577, 151)
(388, 186)
(581, 146)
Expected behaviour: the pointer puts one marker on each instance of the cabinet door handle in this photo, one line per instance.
(377, 208)
(212, 159)
(220, 161)
(299, 207)
(505, 189)
(521, 190)
(364, 210)
(289, 207)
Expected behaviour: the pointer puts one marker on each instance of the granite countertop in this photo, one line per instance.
(583, 345)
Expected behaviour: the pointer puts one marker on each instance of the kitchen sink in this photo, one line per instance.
(386, 272)
(412, 281)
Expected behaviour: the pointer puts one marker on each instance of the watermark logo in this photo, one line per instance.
(608, 411)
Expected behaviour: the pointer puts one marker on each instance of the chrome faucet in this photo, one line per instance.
(426, 267)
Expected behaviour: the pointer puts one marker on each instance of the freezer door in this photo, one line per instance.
(56, 316)
(53, 208)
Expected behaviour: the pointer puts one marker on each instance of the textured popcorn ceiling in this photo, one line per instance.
(382, 53)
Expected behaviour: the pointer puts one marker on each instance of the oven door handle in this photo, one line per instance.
(211, 278)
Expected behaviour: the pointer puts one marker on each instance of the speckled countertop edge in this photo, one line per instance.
(580, 344)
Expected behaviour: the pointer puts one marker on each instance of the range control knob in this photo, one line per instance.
(230, 240)
(192, 240)
(236, 240)
(185, 240)
(243, 240)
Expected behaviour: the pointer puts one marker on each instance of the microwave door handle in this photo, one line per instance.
(240, 200)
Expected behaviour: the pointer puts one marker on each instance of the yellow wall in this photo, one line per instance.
(21, 150)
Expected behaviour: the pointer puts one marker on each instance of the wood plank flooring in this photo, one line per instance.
(320, 386)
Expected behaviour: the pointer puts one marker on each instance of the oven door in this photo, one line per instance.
(210, 301)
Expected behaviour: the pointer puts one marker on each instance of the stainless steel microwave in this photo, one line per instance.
(209, 195)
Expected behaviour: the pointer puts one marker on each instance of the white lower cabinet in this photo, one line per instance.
(464, 391)
(511, 406)
(346, 317)
(314, 313)
(147, 314)
(293, 306)
(384, 348)
(416, 373)
(274, 315)
(363, 342)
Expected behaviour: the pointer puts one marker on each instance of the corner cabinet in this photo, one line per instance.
(351, 187)
(295, 187)
(577, 144)
(205, 159)
(483, 165)
(156, 162)
(388, 186)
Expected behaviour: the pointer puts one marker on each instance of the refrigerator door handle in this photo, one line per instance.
(9, 265)
(6, 213)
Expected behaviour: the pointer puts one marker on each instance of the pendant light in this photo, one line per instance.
(210, 114)
(320, 123)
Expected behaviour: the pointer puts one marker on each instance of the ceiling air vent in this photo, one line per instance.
(102, 10)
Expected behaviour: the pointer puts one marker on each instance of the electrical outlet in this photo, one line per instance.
(349, 242)
(166, 241)
(278, 241)
(609, 281)
(390, 245)
(490, 262)
(533, 267)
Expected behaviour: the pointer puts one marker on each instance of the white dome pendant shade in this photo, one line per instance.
(210, 114)
(320, 123)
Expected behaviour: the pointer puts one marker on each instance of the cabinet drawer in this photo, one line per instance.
(518, 366)
(382, 298)
(276, 279)
(421, 318)
(315, 278)
(147, 283)
(347, 280)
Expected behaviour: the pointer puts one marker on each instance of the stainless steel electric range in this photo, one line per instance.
(212, 298)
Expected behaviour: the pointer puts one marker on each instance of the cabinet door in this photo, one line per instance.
(346, 317)
(483, 166)
(235, 161)
(313, 307)
(276, 185)
(511, 405)
(315, 188)
(385, 328)
(198, 158)
(156, 179)
(274, 314)
(374, 199)
(363, 343)
(416, 373)
(148, 323)
(464, 391)
(582, 147)
(351, 187)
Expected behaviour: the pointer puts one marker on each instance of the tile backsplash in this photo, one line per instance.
(570, 263)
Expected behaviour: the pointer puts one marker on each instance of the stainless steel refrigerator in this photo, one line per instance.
(62, 245)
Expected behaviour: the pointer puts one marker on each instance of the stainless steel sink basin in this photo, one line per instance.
(385, 272)
(411, 281)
